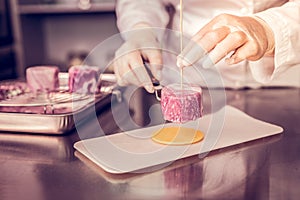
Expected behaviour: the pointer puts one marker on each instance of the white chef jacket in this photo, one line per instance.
(283, 17)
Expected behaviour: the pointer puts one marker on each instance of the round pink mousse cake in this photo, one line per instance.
(181, 104)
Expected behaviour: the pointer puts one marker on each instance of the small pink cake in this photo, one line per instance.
(83, 79)
(181, 104)
(42, 78)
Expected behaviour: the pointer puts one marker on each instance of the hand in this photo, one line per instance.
(141, 45)
(248, 38)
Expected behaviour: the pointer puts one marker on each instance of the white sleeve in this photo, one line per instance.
(132, 12)
(285, 24)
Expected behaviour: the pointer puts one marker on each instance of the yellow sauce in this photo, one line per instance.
(177, 136)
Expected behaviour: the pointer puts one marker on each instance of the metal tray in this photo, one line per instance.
(51, 122)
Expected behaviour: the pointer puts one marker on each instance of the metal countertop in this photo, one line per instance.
(40, 167)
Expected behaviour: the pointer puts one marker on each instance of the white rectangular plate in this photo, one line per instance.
(134, 150)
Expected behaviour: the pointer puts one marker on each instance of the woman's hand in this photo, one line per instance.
(244, 38)
(141, 45)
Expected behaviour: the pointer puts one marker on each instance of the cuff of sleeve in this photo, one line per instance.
(265, 69)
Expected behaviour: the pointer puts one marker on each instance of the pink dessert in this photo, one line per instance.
(83, 79)
(42, 78)
(181, 104)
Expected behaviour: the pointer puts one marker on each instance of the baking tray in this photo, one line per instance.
(45, 120)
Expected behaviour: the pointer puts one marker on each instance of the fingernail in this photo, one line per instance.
(179, 62)
(149, 88)
(227, 60)
(207, 63)
(185, 63)
(230, 61)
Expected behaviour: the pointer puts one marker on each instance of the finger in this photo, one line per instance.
(212, 38)
(120, 81)
(211, 25)
(125, 75)
(238, 56)
(230, 43)
(141, 77)
(155, 59)
(197, 49)
(190, 55)
(246, 51)
(130, 78)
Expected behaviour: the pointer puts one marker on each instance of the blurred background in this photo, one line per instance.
(51, 32)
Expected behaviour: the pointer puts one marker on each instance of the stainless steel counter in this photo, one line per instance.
(40, 167)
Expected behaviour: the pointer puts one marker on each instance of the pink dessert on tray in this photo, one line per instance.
(83, 79)
(42, 78)
(181, 104)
